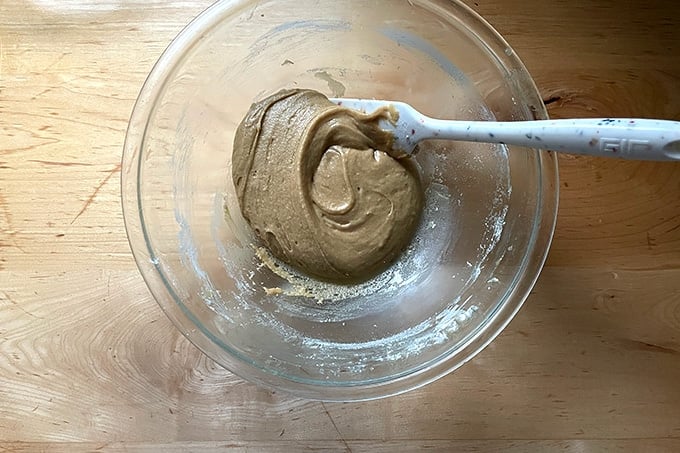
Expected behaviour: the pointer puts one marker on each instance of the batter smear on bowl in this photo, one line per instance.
(322, 186)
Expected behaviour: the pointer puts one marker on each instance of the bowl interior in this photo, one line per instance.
(483, 236)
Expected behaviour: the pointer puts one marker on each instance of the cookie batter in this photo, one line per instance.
(322, 187)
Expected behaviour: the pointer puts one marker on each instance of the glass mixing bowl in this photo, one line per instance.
(488, 221)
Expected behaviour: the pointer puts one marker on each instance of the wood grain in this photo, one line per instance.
(443, 446)
(89, 362)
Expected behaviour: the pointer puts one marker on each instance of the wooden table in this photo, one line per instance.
(88, 361)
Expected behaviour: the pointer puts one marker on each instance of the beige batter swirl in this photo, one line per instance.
(316, 183)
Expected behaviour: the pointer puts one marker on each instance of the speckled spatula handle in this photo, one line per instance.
(627, 138)
(639, 139)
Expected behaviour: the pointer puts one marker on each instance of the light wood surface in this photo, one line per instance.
(89, 362)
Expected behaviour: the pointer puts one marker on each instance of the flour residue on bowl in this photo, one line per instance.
(288, 302)
(268, 294)
(401, 346)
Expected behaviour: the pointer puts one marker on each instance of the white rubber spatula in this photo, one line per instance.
(625, 138)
